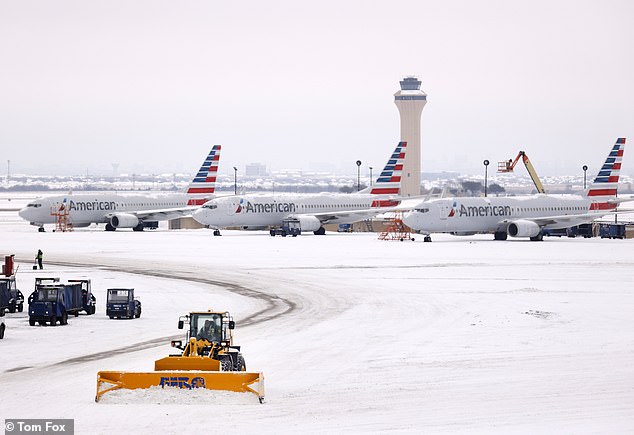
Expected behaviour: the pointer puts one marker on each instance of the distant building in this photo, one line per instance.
(255, 170)
(410, 101)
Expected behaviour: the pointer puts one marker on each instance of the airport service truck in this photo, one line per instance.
(15, 298)
(290, 227)
(88, 300)
(55, 302)
(120, 303)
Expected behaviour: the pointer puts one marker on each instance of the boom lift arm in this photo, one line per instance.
(509, 165)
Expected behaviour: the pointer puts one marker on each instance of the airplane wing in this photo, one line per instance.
(344, 217)
(161, 214)
(563, 221)
(407, 203)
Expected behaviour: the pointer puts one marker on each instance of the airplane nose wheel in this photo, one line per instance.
(217, 233)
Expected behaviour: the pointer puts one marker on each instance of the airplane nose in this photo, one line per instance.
(198, 215)
(24, 213)
(409, 218)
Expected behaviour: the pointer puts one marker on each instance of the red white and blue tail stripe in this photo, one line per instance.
(606, 183)
(389, 181)
(203, 185)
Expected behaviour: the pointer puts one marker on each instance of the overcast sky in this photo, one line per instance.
(153, 84)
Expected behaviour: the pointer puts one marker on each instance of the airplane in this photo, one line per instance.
(136, 211)
(308, 211)
(521, 216)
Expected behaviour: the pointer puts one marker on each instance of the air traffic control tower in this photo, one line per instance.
(410, 101)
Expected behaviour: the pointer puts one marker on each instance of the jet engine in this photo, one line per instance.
(124, 220)
(523, 228)
(309, 223)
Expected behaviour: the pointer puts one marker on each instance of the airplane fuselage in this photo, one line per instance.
(84, 209)
(494, 214)
(264, 210)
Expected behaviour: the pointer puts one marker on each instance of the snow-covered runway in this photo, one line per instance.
(353, 334)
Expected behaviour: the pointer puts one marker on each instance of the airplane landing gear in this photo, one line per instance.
(500, 235)
(40, 229)
(217, 233)
(538, 238)
(109, 227)
(427, 238)
(320, 232)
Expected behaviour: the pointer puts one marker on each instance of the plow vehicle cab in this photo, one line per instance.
(208, 360)
(210, 335)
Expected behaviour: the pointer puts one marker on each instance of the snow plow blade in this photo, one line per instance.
(240, 382)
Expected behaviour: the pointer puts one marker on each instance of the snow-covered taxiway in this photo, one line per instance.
(353, 334)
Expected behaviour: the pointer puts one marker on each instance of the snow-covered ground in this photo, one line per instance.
(353, 334)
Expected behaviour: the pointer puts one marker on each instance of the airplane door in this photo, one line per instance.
(232, 208)
(444, 211)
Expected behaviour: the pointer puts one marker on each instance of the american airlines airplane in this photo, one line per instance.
(308, 211)
(521, 216)
(136, 211)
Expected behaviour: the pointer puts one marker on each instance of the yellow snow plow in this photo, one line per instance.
(208, 360)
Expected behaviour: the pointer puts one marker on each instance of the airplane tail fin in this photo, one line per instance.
(389, 181)
(604, 187)
(203, 185)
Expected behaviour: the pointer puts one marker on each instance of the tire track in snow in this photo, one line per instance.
(275, 307)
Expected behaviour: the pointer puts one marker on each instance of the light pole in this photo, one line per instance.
(235, 180)
(358, 175)
(370, 175)
(585, 168)
(486, 169)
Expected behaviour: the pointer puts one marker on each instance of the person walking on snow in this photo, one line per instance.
(38, 258)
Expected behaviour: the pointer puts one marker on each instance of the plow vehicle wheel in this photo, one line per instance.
(241, 366)
(226, 365)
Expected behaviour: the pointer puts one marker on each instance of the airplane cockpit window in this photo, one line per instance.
(210, 206)
(34, 204)
(422, 210)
